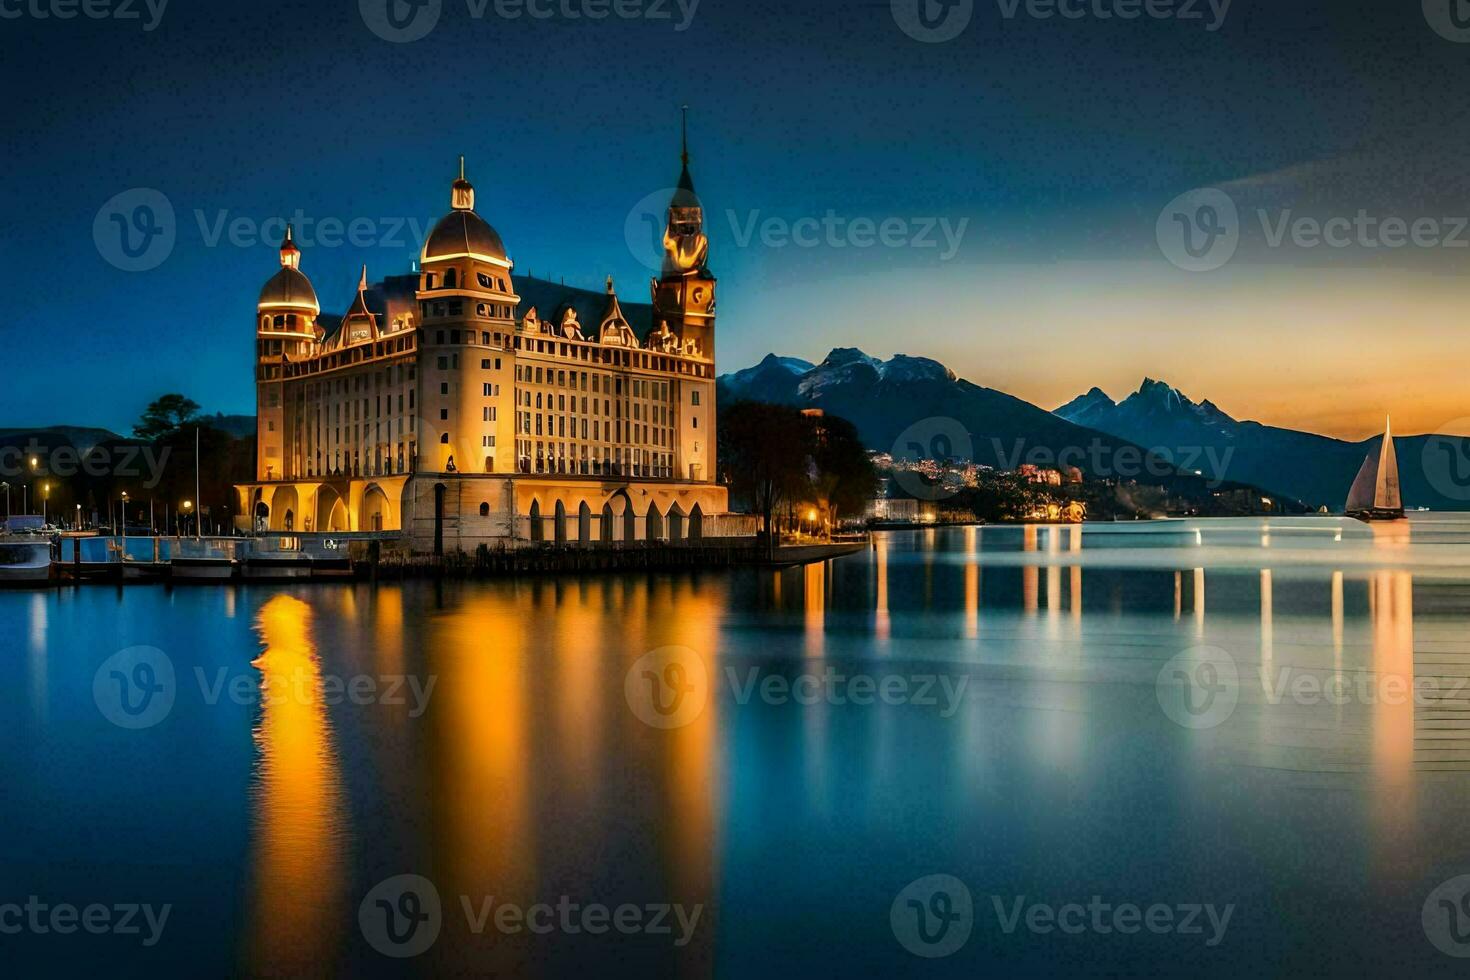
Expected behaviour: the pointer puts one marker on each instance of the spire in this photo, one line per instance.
(290, 254)
(362, 283)
(462, 192)
(610, 290)
(685, 110)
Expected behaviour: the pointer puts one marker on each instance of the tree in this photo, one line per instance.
(165, 417)
(846, 477)
(765, 451)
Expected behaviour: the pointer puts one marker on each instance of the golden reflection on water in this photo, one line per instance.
(298, 905)
(883, 626)
(484, 740)
(522, 730)
(816, 607)
(972, 584)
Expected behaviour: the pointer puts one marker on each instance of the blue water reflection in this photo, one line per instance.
(990, 704)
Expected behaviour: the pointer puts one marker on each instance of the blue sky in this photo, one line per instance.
(990, 200)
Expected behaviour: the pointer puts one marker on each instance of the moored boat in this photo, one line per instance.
(25, 562)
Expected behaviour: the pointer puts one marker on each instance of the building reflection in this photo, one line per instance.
(298, 905)
(529, 710)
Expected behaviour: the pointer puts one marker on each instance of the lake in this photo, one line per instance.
(1203, 747)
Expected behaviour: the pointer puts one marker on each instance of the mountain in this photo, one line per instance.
(80, 436)
(1086, 409)
(1308, 467)
(917, 407)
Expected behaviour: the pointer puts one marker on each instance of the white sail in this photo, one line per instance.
(1386, 494)
(1361, 496)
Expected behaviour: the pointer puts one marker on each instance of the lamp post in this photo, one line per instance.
(77, 526)
(188, 510)
(45, 497)
(124, 508)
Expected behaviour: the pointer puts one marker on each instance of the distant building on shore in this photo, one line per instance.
(465, 405)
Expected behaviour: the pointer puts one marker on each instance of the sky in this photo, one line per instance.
(1261, 203)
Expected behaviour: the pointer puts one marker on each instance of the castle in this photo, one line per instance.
(465, 405)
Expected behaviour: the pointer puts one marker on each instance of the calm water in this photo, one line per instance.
(1037, 737)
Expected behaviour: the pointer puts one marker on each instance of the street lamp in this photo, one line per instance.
(124, 514)
(77, 526)
(45, 496)
(188, 508)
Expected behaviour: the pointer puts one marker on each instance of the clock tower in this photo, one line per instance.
(684, 294)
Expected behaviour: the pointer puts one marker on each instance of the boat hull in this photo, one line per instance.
(1377, 514)
(202, 569)
(25, 576)
(277, 569)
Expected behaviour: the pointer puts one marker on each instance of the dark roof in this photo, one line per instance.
(377, 296)
(551, 298)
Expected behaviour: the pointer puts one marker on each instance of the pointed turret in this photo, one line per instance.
(684, 295)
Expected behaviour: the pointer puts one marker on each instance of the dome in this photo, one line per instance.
(289, 288)
(460, 232)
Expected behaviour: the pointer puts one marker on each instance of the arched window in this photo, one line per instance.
(484, 510)
(449, 279)
(444, 439)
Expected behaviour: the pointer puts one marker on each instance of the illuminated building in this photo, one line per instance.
(465, 405)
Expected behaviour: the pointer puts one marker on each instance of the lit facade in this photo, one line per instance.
(450, 408)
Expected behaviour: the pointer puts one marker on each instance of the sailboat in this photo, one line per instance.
(1375, 494)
